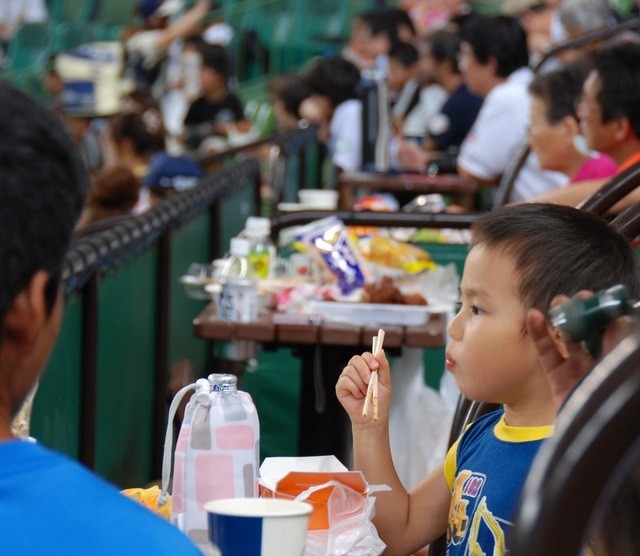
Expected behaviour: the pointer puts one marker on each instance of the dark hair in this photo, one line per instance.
(379, 22)
(291, 89)
(618, 70)
(444, 46)
(42, 188)
(558, 250)
(560, 90)
(399, 18)
(404, 53)
(333, 77)
(215, 57)
(145, 131)
(115, 191)
(498, 37)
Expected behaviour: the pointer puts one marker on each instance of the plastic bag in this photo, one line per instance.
(419, 420)
(350, 528)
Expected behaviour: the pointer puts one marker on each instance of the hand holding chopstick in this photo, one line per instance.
(372, 389)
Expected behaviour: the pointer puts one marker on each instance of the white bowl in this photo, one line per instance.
(326, 199)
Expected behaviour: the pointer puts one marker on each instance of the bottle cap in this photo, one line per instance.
(257, 226)
(239, 247)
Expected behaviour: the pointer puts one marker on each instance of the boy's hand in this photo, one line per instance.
(351, 388)
(565, 370)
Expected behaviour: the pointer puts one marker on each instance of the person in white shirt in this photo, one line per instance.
(333, 106)
(494, 59)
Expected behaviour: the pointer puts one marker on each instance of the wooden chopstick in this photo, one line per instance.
(372, 389)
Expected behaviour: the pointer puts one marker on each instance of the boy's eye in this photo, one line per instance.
(457, 307)
(476, 311)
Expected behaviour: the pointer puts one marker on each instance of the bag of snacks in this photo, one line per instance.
(329, 242)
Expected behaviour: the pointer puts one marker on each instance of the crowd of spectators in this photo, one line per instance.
(456, 83)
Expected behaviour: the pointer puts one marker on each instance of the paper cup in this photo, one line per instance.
(258, 526)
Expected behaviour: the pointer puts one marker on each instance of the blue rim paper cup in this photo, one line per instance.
(258, 526)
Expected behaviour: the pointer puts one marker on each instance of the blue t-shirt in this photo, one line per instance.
(50, 504)
(450, 126)
(486, 469)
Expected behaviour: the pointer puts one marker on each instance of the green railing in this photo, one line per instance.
(103, 396)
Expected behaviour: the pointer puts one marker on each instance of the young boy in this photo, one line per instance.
(521, 257)
(49, 504)
(217, 109)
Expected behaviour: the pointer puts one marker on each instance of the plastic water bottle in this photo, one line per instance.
(238, 301)
(236, 428)
(262, 251)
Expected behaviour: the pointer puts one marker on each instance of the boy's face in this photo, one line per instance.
(399, 74)
(489, 355)
(211, 80)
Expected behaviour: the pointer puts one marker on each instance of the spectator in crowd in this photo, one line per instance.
(493, 63)
(373, 36)
(168, 175)
(217, 109)
(334, 107)
(446, 127)
(609, 116)
(286, 92)
(494, 60)
(49, 502)
(404, 83)
(114, 193)
(554, 134)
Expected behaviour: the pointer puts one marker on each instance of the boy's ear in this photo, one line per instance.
(558, 340)
(27, 315)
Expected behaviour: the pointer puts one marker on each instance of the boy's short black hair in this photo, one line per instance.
(404, 53)
(558, 250)
(215, 57)
(560, 90)
(444, 46)
(618, 69)
(42, 189)
(498, 37)
(333, 77)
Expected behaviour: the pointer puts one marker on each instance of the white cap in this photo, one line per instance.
(239, 247)
(257, 226)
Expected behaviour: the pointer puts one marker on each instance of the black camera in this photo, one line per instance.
(584, 320)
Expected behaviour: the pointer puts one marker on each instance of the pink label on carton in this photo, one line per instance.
(214, 478)
(235, 437)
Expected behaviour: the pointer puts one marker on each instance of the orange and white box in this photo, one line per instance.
(287, 477)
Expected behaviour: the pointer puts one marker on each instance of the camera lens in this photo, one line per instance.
(578, 318)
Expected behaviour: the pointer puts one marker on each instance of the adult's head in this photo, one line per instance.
(558, 250)
(554, 121)
(493, 48)
(582, 16)
(609, 110)
(42, 190)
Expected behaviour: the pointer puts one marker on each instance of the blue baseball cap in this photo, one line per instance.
(177, 172)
